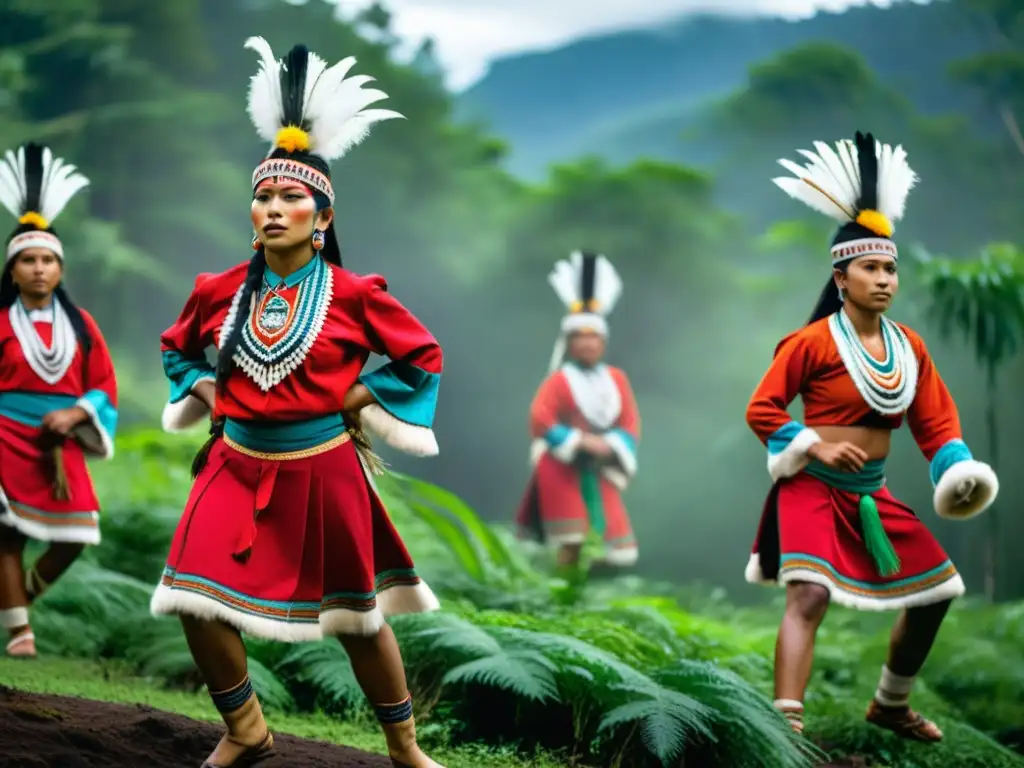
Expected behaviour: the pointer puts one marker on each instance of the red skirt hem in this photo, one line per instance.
(553, 511)
(289, 550)
(27, 503)
(810, 532)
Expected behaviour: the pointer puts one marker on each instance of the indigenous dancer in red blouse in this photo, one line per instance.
(283, 536)
(585, 425)
(831, 529)
(58, 394)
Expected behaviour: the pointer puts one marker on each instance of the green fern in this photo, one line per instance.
(527, 674)
(325, 668)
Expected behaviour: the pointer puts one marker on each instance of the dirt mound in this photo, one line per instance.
(63, 732)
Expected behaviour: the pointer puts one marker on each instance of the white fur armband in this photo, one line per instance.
(947, 500)
(407, 438)
(187, 412)
(623, 452)
(793, 458)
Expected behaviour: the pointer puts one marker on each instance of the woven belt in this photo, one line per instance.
(305, 453)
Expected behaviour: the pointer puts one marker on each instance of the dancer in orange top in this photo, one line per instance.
(831, 530)
(585, 426)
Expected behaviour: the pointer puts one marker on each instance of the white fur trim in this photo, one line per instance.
(616, 477)
(753, 573)
(187, 412)
(538, 448)
(948, 590)
(72, 534)
(408, 438)
(793, 457)
(564, 539)
(171, 601)
(566, 451)
(341, 622)
(93, 437)
(12, 618)
(585, 321)
(416, 598)
(626, 457)
(622, 556)
(985, 492)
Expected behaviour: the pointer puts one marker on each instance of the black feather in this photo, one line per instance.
(868, 162)
(588, 277)
(33, 177)
(293, 86)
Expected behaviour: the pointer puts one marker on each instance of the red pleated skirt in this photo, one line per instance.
(290, 548)
(553, 510)
(27, 500)
(810, 532)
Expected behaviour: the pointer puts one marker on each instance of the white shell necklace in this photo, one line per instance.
(49, 363)
(889, 385)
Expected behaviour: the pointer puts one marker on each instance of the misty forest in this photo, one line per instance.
(657, 149)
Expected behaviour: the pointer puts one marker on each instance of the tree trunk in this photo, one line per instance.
(992, 524)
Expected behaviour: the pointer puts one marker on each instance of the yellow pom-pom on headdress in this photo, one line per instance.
(35, 219)
(291, 138)
(876, 221)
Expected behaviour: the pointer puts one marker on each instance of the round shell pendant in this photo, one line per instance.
(274, 315)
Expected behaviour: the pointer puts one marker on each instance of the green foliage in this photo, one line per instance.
(981, 299)
(623, 675)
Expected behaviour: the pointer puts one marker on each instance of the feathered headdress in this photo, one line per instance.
(862, 183)
(35, 187)
(589, 287)
(308, 111)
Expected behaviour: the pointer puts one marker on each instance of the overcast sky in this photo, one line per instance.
(469, 33)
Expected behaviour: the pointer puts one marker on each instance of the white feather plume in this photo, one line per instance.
(265, 108)
(12, 182)
(566, 280)
(830, 181)
(334, 105)
(895, 180)
(60, 181)
(607, 285)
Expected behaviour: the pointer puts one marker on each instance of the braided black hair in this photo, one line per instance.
(830, 300)
(225, 357)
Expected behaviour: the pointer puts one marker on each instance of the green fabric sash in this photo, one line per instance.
(869, 480)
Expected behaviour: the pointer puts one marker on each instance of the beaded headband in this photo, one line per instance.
(293, 169)
(34, 239)
(868, 246)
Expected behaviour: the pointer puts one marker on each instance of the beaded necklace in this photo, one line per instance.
(889, 385)
(277, 335)
(49, 362)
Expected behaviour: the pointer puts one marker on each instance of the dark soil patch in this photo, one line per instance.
(38, 731)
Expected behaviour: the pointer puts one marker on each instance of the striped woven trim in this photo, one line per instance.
(305, 453)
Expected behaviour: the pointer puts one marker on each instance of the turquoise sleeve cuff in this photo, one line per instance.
(183, 373)
(406, 392)
(97, 434)
(953, 452)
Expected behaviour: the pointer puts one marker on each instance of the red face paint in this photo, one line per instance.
(283, 212)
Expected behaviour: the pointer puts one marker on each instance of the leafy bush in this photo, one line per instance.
(620, 673)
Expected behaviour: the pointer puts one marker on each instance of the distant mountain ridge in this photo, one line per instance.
(630, 94)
